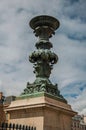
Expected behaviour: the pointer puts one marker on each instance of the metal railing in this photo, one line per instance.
(6, 126)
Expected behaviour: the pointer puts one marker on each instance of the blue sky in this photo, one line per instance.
(17, 41)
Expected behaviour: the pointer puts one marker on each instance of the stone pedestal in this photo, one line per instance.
(41, 110)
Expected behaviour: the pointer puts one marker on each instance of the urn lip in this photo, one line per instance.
(44, 20)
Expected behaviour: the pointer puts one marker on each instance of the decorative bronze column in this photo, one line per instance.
(43, 59)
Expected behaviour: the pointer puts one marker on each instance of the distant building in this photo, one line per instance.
(2, 113)
(1, 98)
(85, 119)
(8, 100)
(79, 122)
(4, 102)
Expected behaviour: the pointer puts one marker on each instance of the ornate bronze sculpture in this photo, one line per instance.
(43, 59)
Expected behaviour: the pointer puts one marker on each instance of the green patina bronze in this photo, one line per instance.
(43, 59)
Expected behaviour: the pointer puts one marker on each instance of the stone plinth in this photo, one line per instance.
(41, 110)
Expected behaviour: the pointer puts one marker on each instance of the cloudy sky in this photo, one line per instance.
(17, 41)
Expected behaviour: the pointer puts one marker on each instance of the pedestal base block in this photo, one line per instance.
(42, 112)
